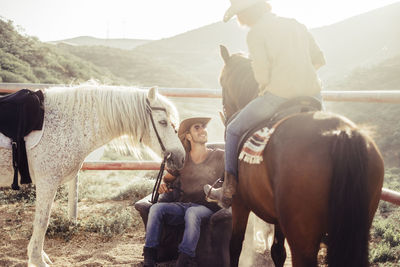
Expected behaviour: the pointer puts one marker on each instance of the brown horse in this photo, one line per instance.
(321, 177)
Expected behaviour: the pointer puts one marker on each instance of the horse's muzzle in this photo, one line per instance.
(175, 161)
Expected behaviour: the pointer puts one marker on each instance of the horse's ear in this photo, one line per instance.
(152, 94)
(224, 53)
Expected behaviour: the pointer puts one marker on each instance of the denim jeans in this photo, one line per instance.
(251, 115)
(175, 213)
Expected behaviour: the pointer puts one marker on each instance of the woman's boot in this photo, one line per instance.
(150, 257)
(184, 260)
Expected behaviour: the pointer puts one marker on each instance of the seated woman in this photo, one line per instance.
(188, 207)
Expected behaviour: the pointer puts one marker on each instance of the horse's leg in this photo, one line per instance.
(278, 252)
(73, 199)
(45, 192)
(304, 245)
(240, 215)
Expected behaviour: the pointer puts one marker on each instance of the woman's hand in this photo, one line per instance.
(168, 178)
(164, 188)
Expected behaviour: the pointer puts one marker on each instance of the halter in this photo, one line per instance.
(149, 110)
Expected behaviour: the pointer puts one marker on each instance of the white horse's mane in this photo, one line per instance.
(120, 110)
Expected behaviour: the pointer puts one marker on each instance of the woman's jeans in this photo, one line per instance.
(252, 114)
(176, 213)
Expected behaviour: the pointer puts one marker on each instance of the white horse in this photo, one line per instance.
(78, 120)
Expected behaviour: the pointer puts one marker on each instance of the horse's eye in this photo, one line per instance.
(163, 123)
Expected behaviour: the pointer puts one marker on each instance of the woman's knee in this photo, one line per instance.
(196, 214)
(192, 217)
(157, 209)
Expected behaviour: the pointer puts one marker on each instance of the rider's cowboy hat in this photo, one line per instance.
(185, 125)
(238, 6)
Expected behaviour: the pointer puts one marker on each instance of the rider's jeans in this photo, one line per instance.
(251, 115)
(176, 213)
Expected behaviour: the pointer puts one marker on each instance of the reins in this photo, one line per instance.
(155, 194)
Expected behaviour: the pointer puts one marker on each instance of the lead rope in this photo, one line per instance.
(155, 194)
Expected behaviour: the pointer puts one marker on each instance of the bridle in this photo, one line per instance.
(149, 110)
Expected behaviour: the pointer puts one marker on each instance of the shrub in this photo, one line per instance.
(9, 77)
(60, 225)
(135, 191)
(382, 253)
(114, 221)
(27, 195)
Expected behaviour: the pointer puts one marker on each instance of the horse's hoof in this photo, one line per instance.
(42, 264)
(46, 258)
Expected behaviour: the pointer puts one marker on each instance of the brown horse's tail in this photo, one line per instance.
(348, 231)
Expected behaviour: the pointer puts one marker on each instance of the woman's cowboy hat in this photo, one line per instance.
(185, 125)
(237, 6)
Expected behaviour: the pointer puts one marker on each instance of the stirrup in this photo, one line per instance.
(208, 190)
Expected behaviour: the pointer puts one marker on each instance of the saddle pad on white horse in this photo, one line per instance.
(31, 140)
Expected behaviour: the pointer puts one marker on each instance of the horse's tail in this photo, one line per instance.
(348, 231)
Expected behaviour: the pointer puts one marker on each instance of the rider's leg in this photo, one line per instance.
(252, 114)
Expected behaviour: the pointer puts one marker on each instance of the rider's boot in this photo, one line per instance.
(225, 193)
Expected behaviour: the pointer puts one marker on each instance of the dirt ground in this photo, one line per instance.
(84, 248)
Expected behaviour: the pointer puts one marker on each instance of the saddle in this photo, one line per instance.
(21, 113)
(290, 107)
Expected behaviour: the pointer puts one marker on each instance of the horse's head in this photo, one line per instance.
(163, 138)
(237, 81)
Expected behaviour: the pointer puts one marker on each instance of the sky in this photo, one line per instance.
(51, 20)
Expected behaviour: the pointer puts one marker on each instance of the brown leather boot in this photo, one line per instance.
(224, 194)
(228, 190)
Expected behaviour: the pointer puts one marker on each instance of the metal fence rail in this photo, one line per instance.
(388, 96)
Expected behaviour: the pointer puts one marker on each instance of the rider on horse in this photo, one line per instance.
(285, 58)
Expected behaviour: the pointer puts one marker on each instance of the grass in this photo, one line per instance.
(385, 232)
(103, 208)
(109, 222)
(104, 195)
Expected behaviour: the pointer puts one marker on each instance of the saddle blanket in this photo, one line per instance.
(252, 151)
(31, 140)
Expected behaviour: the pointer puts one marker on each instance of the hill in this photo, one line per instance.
(126, 44)
(25, 59)
(380, 119)
(132, 67)
(381, 76)
(362, 40)
(365, 39)
(197, 51)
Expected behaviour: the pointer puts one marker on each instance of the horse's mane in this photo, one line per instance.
(120, 110)
(236, 75)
